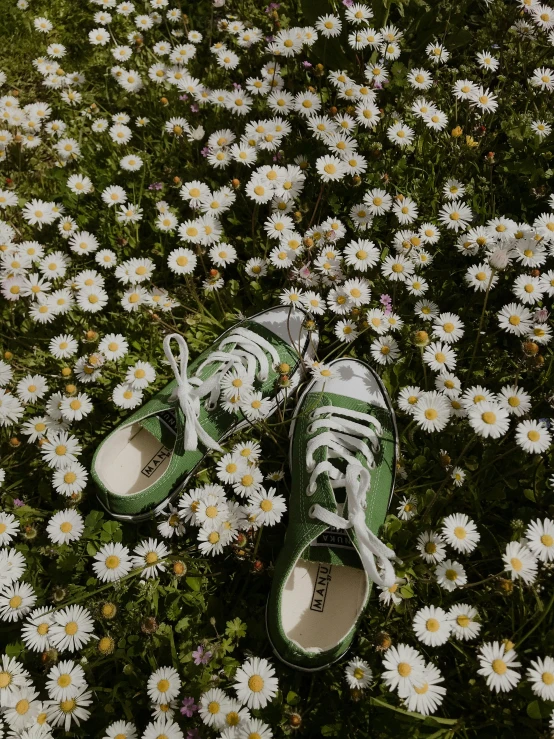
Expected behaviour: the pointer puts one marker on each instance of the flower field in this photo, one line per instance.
(169, 167)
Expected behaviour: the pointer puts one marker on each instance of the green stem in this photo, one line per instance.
(258, 540)
(412, 714)
(480, 325)
(539, 622)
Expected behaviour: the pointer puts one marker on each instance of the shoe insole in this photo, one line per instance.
(141, 461)
(321, 603)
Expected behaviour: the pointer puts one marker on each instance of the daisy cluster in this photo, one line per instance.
(180, 167)
(219, 519)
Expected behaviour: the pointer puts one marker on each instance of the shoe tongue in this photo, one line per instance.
(162, 426)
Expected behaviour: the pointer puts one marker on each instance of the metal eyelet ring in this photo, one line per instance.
(311, 511)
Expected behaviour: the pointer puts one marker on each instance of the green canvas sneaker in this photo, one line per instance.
(343, 462)
(143, 464)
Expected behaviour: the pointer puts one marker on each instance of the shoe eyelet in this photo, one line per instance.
(311, 489)
(310, 429)
(311, 511)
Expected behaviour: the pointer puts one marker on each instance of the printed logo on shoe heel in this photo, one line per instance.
(161, 455)
(322, 581)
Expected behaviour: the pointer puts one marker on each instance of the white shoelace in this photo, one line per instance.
(345, 434)
(249, 352)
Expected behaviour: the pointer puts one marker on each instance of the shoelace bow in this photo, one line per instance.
(344, 435)
(249, 351)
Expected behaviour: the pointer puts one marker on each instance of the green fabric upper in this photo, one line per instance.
(217, 422)
(303, 530)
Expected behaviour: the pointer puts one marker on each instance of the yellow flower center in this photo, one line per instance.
(517, 564)
(499, 666)
(256, 683)
(22, 706)
(64, 680)
(432, 625)
(404, 669)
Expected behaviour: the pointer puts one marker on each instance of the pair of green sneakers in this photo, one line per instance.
(342, 457)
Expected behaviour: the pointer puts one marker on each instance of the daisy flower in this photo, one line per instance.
(432, 411)
(489, 419)
(497, 663)
(256, 684)
(163, 685)
(214, 704)
(540, 539)
(358, 674)
(450, 574)
(66, 712)
(148, 554)
(267, 507)
(9, 528)
(63, 346)
(462, 619)
(13, 676)
(439, 356)
(13, 564)
(120, 730)
(403, 668)
(36, 628)
(431, 547)
(65, 680)
(140, 375)
(541, 676)
(16, 600)
(72, 628)
(432, 626)
(65, 527)
(113, 346)
(520, 562)
(112, 562)
(75, 408)
(70, 479)
(533, 437)
(460, 532)
(514, 400)
(428, 694)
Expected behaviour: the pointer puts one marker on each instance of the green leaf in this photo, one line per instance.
(91, 549)
(538, 710)
(236, 629)
(292, 698)
(529, 494)
(193, 583)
